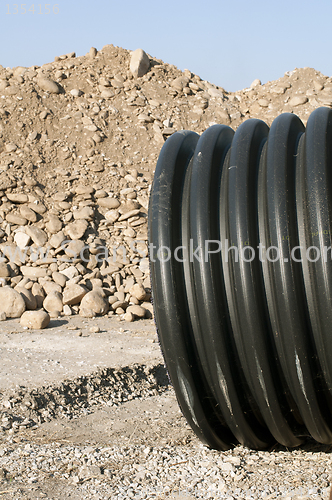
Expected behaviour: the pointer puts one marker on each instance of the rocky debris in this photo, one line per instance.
(146, 454)
(107, 385)
(79, 141)
(35, 319)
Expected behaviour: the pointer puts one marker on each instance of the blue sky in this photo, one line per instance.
(228, 43)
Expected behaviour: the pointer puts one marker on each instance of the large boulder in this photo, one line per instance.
(36, 320)
(139, 62)
(93, 303)
(11, 302)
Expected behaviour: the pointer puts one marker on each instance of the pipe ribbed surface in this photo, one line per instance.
(241, 273)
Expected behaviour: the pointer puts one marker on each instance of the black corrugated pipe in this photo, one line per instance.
(241, 270)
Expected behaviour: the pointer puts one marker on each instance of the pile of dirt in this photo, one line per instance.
(79, 140)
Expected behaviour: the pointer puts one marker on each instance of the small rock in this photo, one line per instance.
(37, 235)
(136, 311)
(39, 294)
(17, 198)
(59, 278)
(28, 214)
(297, 100)
(278, 90)
(139, 63)
(11, 147)
(106, 94)
(73, 294)
(35, 319)
(95, 329)
(95, 303)
(48, 85)
(12, 302)
(70, 272)
(105, 82)
(54, 224)
(129, 214)
(33, 272)
(37, 207)
(93, 52)
(50, 287)
(255, 83)
(128, 316)
(56, 239)
(112, 215)
(81, 189)
(76, 230)
(108, 202)
(180, 83)
(53, 303)
(264, 103)
(216, 93)
(67, 310)
(3, 84)
(29, 298)
(138, 291)
(16, 219)
(318, 86)
(84, 213)
(75, 249)
(148, 308)
(4, 270)
(76, 92)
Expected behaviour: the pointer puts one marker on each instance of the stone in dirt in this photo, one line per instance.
(33, 272)
(56, 239)
(39, 294)
(4, 270)
(37, 235)
(29, 298)
(128, 316)
(21, 239)
(139, 63)
(75, 249)
(108, 202)
(138, 291)
(53, 303)
(73, 294)
(12, 302)
(48, 85)
(93, 304)
(112, 215)
(17, 198)
(54, 224)
(136, 311)
(35, 319)
(75, 230)
(298, 100)
(16, 219)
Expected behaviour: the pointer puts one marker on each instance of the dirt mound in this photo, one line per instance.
(79, 140)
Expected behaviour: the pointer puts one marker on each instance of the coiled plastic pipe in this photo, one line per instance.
(247, 340)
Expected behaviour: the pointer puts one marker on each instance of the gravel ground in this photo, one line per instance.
(58, 470)
(116, 432)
